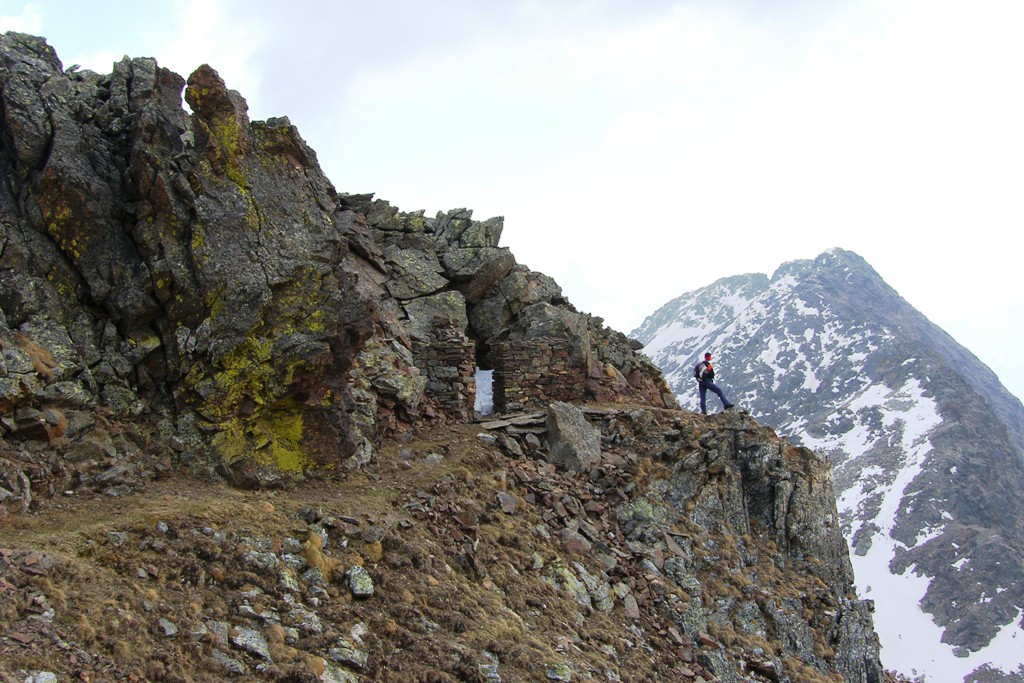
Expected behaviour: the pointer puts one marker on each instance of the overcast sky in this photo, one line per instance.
(640, 150)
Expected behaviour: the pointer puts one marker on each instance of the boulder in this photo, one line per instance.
(441, 310)
(476, 270)
(497, 313)
(573, 443)
(414, 273)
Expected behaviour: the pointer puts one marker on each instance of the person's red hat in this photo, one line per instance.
(707, 356)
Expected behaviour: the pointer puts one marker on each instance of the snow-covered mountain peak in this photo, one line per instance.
(926, 446)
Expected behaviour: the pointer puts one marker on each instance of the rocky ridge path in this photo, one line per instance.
(461, 555)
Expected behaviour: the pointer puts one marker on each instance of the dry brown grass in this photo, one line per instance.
(799, 672)
(440, 602)
(43, 361)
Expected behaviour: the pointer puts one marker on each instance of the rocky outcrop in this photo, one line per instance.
(202, 269)
(726, 532)
(187, 294)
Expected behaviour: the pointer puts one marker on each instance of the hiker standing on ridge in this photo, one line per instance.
(705, 376)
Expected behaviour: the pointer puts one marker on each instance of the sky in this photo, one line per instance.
(642, 150)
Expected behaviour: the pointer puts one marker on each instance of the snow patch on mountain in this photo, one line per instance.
(899, 421)
(676, 335)
(874, 502)
(925, 444)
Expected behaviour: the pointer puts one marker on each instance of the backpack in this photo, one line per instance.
(697, 368)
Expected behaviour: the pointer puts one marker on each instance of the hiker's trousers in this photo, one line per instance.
(704, 386)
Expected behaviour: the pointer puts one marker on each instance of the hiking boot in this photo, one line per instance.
(730, 406)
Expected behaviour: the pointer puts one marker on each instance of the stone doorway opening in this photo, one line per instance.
(484, 402)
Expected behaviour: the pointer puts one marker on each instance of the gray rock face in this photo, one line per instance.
(736, 510)
(829, 354)
(202, 269)
(573, 442)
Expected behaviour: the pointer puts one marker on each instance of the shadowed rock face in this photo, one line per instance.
(202, 269)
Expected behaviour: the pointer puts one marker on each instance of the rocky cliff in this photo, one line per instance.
(203, 267)
(187, 303)
(927, 445)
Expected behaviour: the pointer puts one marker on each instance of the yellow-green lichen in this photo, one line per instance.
(198, 243)
(227, 133)
(299, 306)
(282, 424)
(230, 442)
(247, 393)
(271, 437)
(62, 227)
(252, 216)
(63, 283)
(245, 372)
(269, 431)
(417, 222)
(214, 302)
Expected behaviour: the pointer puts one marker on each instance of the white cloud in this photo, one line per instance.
(28, 20)
(211, 33)
(612, 149)
(100, 61)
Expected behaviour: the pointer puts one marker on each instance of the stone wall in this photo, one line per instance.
(531, 374)
(448, 361)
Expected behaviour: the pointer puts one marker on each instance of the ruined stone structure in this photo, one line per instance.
(533, 373)
(448, 361)
(201, 265)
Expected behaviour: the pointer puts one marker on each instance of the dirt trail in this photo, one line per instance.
(136, 587)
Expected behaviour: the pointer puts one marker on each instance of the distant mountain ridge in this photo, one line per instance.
(926, 445)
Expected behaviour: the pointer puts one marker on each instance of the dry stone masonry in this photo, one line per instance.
(531, 374)
(448, 360)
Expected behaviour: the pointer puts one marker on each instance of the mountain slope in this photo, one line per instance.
(237, 437)
(926, 445)
(677, 556)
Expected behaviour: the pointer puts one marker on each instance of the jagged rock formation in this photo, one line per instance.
(203, 268)
(926, 444)
(187, 294)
